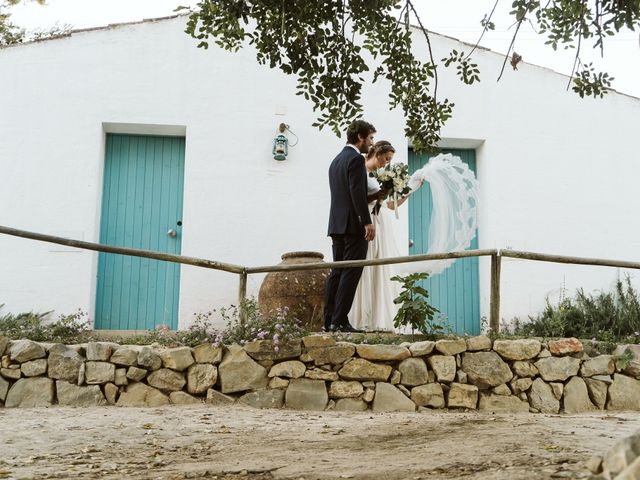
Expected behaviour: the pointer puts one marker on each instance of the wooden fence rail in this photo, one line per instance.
(243, 272)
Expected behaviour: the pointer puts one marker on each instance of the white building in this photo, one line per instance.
(557, 173)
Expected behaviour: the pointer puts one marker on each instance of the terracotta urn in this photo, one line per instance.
(301, 291)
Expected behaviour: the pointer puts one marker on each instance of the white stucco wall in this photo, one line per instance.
(556, 172)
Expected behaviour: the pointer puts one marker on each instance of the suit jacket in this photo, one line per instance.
(348, 182)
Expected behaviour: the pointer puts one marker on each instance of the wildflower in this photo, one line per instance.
(276, 348)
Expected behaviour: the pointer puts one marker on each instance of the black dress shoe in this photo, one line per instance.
(348, 328)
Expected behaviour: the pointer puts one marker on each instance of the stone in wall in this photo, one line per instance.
(99, 372)
(383, 352)
(541, 397)
(141, 395)
(451, 346)
(480, 342)
(183, 398)
(207, 353)
(277, 382)
(601, 365)
(413, 372)
(136, 374)
(553, 369)
(100, 351)
(217, 398)
(624, 393)
(4, 388)
(333, 355)
(121, 377)
(34, 368)
(444, 367)
(111, 393)
(4, 343)
(74, 396)
(166, 379)
(319, 374)
(31, 392)
(520, 385)
(350, 405)
(263, 399)
(345, 389)
(576, 397)
(201, 377)
(264, 350)
(390, 399)
(429, 395)
(289, 369)
(420, 349)
(238, 372)
(502, 403)
(178, 359)
(565, 346)
(523, 349)
(64, 363)
(24, 350)
(462, 396)
(363, 370)
(485, 369)
(124, 356)
(305, 394)
(149, 359)
(524, 369)
(597, 392)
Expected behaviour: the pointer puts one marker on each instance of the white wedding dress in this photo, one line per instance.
(454, 191)
(373, 307)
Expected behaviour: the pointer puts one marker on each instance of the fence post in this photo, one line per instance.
(494, 319)
(242, 296)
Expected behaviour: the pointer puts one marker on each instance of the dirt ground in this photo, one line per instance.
(244, 443)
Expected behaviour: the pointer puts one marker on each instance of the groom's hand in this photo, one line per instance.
(369, 232)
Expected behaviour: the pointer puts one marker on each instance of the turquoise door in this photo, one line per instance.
(141, 208)
(455, 291)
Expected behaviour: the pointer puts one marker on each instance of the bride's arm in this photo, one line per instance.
(399, 202)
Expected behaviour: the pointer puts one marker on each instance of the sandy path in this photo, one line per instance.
(240, 442)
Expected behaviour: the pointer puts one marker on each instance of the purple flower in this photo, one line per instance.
(276, 348)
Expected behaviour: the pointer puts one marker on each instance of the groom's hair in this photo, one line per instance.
(359, 128)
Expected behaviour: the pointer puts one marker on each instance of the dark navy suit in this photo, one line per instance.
(348, 215)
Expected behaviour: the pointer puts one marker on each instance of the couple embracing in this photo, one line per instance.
(356, 234)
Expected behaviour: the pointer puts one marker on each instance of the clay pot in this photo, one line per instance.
(301, 291)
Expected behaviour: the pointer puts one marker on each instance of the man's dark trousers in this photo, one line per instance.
(343, 282)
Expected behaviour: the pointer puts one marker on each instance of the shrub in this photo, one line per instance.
(605, 317)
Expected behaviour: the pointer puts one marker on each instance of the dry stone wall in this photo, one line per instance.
(318, 373)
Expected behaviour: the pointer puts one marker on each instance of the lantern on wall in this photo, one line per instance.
(280, 147)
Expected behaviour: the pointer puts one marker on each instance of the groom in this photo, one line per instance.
(350, 226)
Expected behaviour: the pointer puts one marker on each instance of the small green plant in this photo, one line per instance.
(625, 359)
(71, 328)
(415, 310)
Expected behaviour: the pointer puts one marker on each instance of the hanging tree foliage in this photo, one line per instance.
(325, 45)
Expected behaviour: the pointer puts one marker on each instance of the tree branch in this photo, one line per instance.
(484, 30)
(426, 35)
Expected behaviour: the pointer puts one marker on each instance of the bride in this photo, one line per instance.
(452, 227)
(373, 307)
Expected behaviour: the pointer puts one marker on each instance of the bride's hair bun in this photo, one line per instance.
(380, 147)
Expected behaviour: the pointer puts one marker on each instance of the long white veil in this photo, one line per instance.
(454, 190)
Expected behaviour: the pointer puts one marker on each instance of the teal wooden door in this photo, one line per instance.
(455, 291)
(141, 208)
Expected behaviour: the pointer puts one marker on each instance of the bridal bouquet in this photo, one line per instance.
(394, 179)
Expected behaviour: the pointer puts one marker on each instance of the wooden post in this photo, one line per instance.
(242, 296)
(494, 320)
